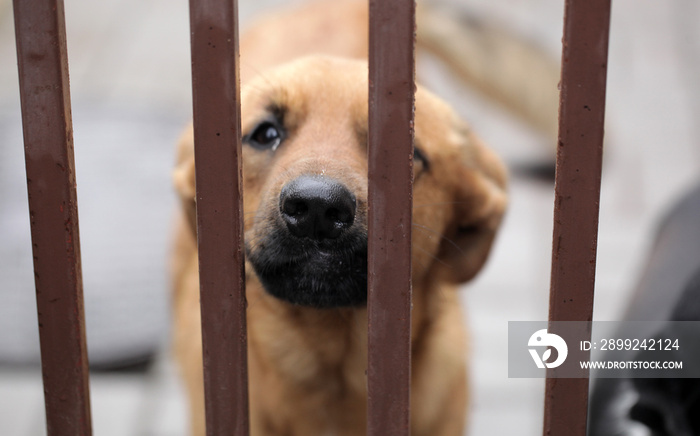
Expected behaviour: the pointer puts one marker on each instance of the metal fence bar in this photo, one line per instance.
(216, 96)
(391, 102)
(579, 163)
(53, 213)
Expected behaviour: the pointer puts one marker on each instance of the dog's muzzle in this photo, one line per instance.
(317, 208)
(314, 254)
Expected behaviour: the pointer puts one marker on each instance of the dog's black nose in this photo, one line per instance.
(317, 207)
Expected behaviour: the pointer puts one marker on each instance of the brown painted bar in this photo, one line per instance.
(577, 194)
(53, 213)
(391, 102)
(216, 96)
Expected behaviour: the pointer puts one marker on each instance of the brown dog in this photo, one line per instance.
(305, 200)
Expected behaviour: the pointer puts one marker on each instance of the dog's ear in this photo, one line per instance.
(184, 178)
(479, 181)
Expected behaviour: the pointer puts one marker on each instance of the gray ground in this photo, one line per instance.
(130, 88)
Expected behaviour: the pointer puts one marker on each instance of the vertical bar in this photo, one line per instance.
(391, 107)
(577, 194)
(216, 96)
(53, 212)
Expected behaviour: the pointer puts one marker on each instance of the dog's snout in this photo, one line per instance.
(317, 207)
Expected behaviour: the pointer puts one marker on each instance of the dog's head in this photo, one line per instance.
(305, 185)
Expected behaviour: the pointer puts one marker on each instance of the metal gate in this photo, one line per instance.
(46, 114)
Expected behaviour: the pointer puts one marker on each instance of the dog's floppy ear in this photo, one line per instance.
(479, 180)
(184, 177)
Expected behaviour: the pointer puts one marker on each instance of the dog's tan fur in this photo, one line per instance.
(306, 365)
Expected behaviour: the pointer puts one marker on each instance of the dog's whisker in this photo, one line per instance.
(443, 237)
(423, 264)
(432, 256)
(263, 76)
(249, 220)
(440, 203)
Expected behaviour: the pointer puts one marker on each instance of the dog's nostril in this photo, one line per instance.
(333, 214)
(317, 207)
(339, 217)
(295, 208)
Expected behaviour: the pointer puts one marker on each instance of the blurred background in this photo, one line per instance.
(131, 95)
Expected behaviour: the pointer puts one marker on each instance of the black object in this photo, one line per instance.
(669, 290)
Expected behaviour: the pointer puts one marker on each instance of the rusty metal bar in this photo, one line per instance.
(217, 138)
(391, 103)
(579, 163)
(53, 213)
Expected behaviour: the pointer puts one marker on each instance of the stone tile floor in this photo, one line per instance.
(129, 77)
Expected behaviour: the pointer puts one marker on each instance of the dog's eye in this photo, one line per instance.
(420, 161)
(267, 135)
